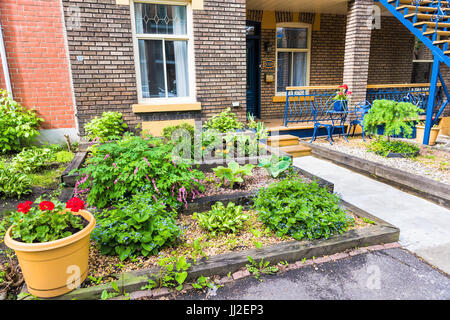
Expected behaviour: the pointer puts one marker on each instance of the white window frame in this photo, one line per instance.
(189, 37)
(307, 50)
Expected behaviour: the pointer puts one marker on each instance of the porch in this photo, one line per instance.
(316, 46)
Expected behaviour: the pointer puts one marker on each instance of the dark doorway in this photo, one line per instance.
(253, 31)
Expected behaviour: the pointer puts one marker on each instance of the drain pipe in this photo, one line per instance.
(5, 64)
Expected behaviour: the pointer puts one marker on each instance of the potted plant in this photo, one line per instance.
(341, 98)
(420, 131)
(51, 242)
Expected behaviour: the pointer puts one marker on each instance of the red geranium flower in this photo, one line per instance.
(46, 205)
(24, 207)
(75, 204)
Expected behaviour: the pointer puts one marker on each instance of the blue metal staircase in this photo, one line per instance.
(429, 21)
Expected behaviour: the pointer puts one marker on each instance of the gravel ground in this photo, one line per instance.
(433, 163)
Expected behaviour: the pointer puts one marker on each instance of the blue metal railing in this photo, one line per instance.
(302, 101)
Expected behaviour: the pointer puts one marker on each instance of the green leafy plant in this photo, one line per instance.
(251, 123)
(261, 267)
(109, 127)
(397, 118)
(221, 219)
(108, 295)
(14, 184)
(18, 125)
(121, 168)
(64, 156)
(233, 173)
(301, 210)
(224, 122)
(48, 221)
(32, 159)
(137, 226)
(275, 165)
(385, 147)
(173, 273)
(203, 282)
(95, 280)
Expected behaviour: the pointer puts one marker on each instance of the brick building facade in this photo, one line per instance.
(74, 59)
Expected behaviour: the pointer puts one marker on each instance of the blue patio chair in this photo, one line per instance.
(361, 109)
(333, 119)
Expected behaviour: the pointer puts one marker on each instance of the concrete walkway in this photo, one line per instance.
(424, 226)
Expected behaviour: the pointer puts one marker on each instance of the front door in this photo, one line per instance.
(253, 68)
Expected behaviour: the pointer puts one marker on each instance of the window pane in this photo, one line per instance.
(283, 71)
(160, 18)
(152, 68)
(299, 69)
(294, 38)
(177, 70)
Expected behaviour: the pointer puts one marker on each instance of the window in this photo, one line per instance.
(293, 56)
(422, 63)
(163, 47)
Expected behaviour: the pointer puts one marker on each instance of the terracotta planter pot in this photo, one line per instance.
(420, 130)
(52, 268)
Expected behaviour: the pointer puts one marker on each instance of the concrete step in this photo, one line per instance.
(282, 140)
(297, 150)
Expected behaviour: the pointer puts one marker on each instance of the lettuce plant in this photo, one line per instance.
(233, 173)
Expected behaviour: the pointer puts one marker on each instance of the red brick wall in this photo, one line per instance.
(37, 61)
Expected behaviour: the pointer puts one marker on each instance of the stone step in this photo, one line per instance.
(282, 140)
(297, 151)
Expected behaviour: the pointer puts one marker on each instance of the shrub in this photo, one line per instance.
(14, 184)
(119, 169)
(383, 147)
(109, 127)
(293, 208)
(169, 130)
(140, 226)
(224, 121)
(64, 156)
(221, 219)
(17, 124)
(397, 117)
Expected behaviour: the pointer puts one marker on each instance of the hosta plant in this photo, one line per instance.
(45, 221)
(233, 173)
(301, 210)
(137, 226)
(18, 125)
(32, 159)
(14, 184)
(222, 219)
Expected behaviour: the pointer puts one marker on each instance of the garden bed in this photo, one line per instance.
(227, 255)
(426, 176)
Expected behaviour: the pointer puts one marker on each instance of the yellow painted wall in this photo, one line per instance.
(445, 126)
(155, 128)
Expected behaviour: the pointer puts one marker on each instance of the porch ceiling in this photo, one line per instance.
(318, 6)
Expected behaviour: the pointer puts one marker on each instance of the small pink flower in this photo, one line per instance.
(146, 177)
(156, 200)
(115, 181)
(114, 165)
(154, 186)
(106, 157)
(148, 163)
(136, 170)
